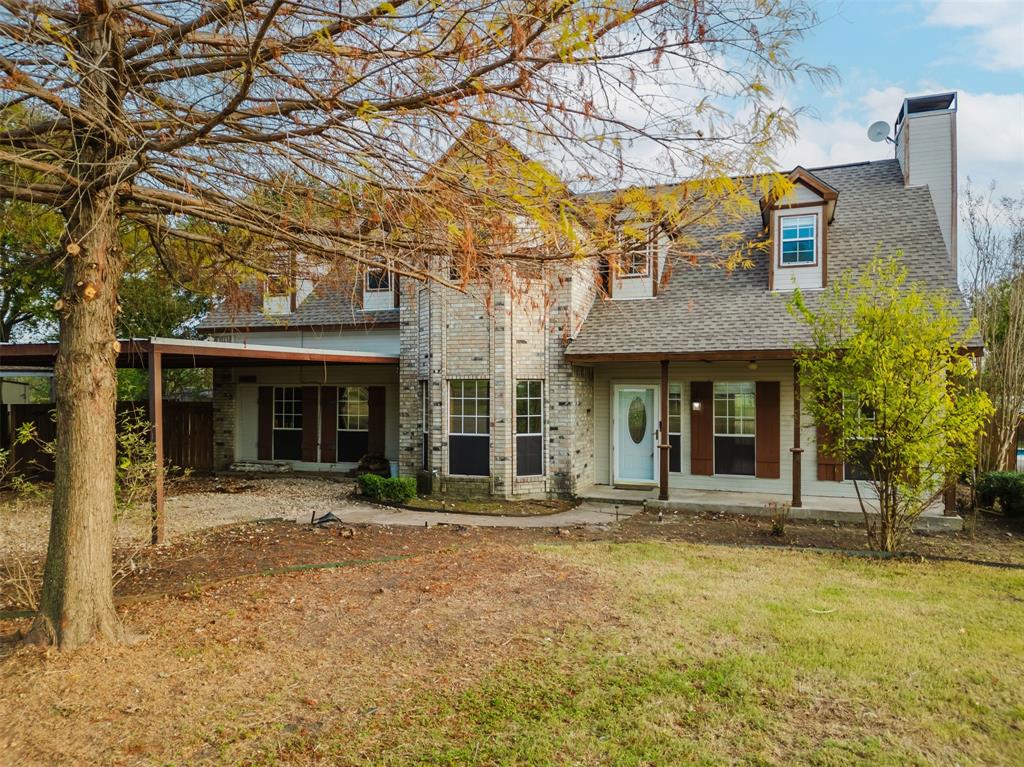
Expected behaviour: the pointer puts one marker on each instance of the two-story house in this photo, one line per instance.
(659, 375)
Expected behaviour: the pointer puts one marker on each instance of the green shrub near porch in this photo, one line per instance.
(388, 489)
(1007, 487)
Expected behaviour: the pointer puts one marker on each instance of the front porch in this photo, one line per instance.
(756, 504)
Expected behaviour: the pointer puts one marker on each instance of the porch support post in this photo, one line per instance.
(156, 420)
(796, 450)
(665, 446)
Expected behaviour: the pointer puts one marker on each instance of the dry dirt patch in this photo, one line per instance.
(222, 675)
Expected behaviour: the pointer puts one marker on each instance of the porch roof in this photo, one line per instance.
(185, 353)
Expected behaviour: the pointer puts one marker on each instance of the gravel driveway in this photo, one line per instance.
(192, 504)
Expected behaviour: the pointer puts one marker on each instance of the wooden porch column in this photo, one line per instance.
(796, 450)
(156, 420)
(665, 446)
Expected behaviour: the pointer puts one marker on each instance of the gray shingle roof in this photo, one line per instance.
(707, 309)
(329, 304)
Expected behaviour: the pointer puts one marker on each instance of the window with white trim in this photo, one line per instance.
(378, 288)
(378, 280)
(675, 427)
(734, 423)
(798, 240)
(353, 408)
(353, 423)
(469, 427)
(529, 428)
(860, 469)
(287, 432)
(424, 424)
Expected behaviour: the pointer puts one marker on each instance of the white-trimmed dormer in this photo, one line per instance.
(285, 290)
(636, 272)
(379, 289)
(797, 226)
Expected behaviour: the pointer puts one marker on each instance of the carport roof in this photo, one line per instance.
(184, 353)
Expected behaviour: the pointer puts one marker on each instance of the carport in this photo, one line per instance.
(155, 354)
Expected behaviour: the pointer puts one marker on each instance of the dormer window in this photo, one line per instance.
(637, 262)
(279, 294)
(378, 289)
(797, 237)
(378, 280)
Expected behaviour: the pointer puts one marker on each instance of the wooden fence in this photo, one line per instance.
(188, 435)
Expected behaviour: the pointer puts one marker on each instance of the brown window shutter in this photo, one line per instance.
(394, 289)
(328, 424)
(766, 442)
(377, 402)
(830, 467)
(265, 423)
(702, 433)
(309, 423)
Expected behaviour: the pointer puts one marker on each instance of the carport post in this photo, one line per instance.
(156, 420)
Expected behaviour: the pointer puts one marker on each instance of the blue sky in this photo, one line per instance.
(886, 50)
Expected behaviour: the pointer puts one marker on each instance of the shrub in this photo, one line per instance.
(371, 485)
(398, 489)
(1005, 486)
(391, 489)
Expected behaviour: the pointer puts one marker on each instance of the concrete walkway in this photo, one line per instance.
(588, 513)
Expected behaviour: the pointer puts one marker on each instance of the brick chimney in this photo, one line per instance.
(926, 151)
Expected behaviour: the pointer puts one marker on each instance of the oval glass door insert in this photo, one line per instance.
(637, 420)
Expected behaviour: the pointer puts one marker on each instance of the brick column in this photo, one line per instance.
(224, 400)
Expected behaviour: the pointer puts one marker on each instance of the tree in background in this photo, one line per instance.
(890, 382)
(187, 117)
(994, 286)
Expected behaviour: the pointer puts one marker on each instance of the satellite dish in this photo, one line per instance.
(878, 131)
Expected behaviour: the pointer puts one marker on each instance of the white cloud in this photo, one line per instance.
(990, 135)
(998, 29)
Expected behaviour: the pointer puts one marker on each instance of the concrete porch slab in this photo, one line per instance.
(819, 508)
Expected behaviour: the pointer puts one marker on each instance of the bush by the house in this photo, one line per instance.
(1005, 486)
(390, 489)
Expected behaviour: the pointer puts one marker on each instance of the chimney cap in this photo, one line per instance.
(935, 102)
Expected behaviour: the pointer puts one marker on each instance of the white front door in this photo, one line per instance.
(635, 421)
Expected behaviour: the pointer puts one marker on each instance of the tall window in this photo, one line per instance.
(735, 419)
(353, 422)
(287, 423)
(797, 240)
(675, 427)
(469, 427)
(529, 428)
(861, 469)
(425, 424)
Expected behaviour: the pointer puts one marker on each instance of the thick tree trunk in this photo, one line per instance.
(77, 601)
(77, 604)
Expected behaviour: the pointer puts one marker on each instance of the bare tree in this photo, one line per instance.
(995, 289)
(196, 118)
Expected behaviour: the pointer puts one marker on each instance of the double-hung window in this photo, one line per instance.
(797, 240)
(469, 427)
(735, 420)
(287, 435)
(353, 422)
(529, 428)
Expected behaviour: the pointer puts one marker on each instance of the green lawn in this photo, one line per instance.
(716, 655)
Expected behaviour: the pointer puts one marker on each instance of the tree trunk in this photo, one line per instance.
(77, 603)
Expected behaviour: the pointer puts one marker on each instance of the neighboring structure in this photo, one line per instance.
(661, 374)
